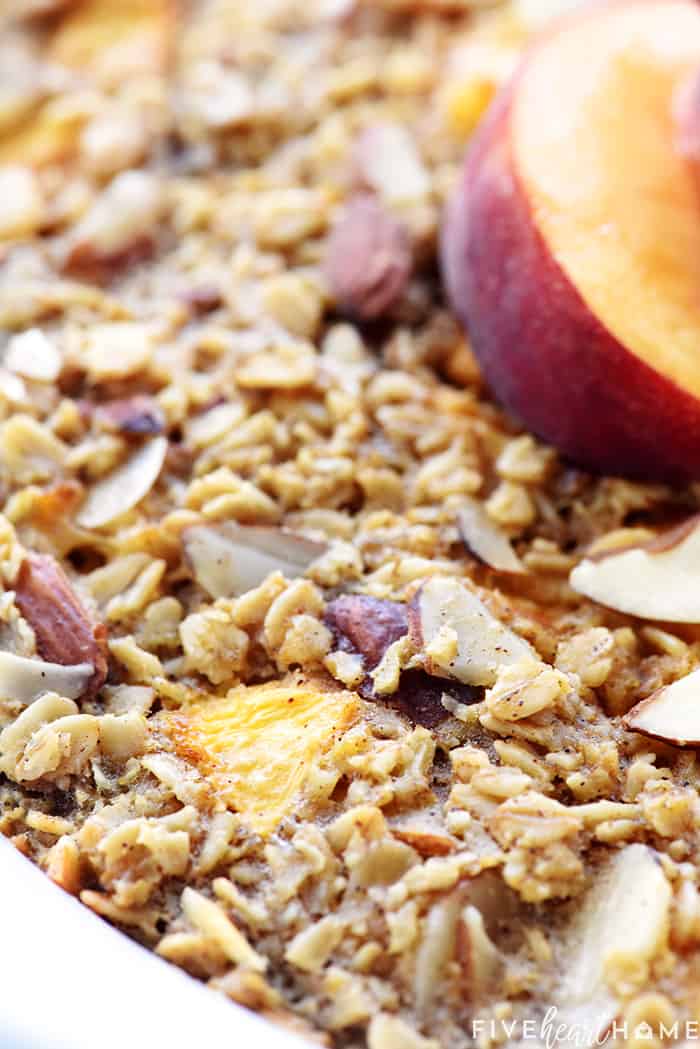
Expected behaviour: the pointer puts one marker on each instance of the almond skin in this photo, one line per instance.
(369, 259)
(368, 623)
(419, 697)
(65, 632)
(85, 262)
(202, 299)
(136, 416)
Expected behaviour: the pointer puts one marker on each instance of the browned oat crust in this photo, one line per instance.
(366, 850)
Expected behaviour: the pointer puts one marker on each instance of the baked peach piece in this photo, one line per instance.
(571, 246)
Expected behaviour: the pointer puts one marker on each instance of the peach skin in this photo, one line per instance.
(571, 245)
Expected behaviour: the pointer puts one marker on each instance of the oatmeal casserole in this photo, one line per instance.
(310, 677)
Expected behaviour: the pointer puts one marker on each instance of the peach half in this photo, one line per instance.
(571, 245)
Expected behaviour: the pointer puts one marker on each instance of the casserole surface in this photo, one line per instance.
(295, 690)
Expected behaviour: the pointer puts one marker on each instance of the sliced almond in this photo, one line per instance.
(64, 631)
(33, 356)
(671, 714)
(498, 904)
(217, 97)
(229, 559)
(388, 162)
(483, 643)
(26, 679)
(21, 202)
(369, 259)
(658, 580)
(424, 838)
(481, 961)
(13, 388)
(618, 540)
(125, 487)
(624, 917)
(119, 228)
(493, 910)
(484, 540)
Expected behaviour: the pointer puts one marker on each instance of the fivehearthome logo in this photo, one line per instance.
(552, 1030)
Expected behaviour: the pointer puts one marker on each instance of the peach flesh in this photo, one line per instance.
(553, 340)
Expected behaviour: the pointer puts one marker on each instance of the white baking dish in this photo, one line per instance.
(69, 981)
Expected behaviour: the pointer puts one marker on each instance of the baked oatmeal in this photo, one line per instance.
(296, 687)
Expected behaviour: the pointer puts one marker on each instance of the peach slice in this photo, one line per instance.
(260, 744)
(571, 247)
(671, 714)
(115, 39)
(107, 41)
(47, 136)
(657, 580)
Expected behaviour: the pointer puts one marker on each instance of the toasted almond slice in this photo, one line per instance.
(27, 679)
(625, 917)
(388, 162)
(33, 356)
(484, 540)
(618, 540)
(118, 229)
(483, 643)
(21, 201)
(496, 902)
(481, 961)
(64, 631)
(124, 487)
(424, 838)
(671, 714)
(13, 388)
(208, 917)
(658, 580)
(229, 559)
